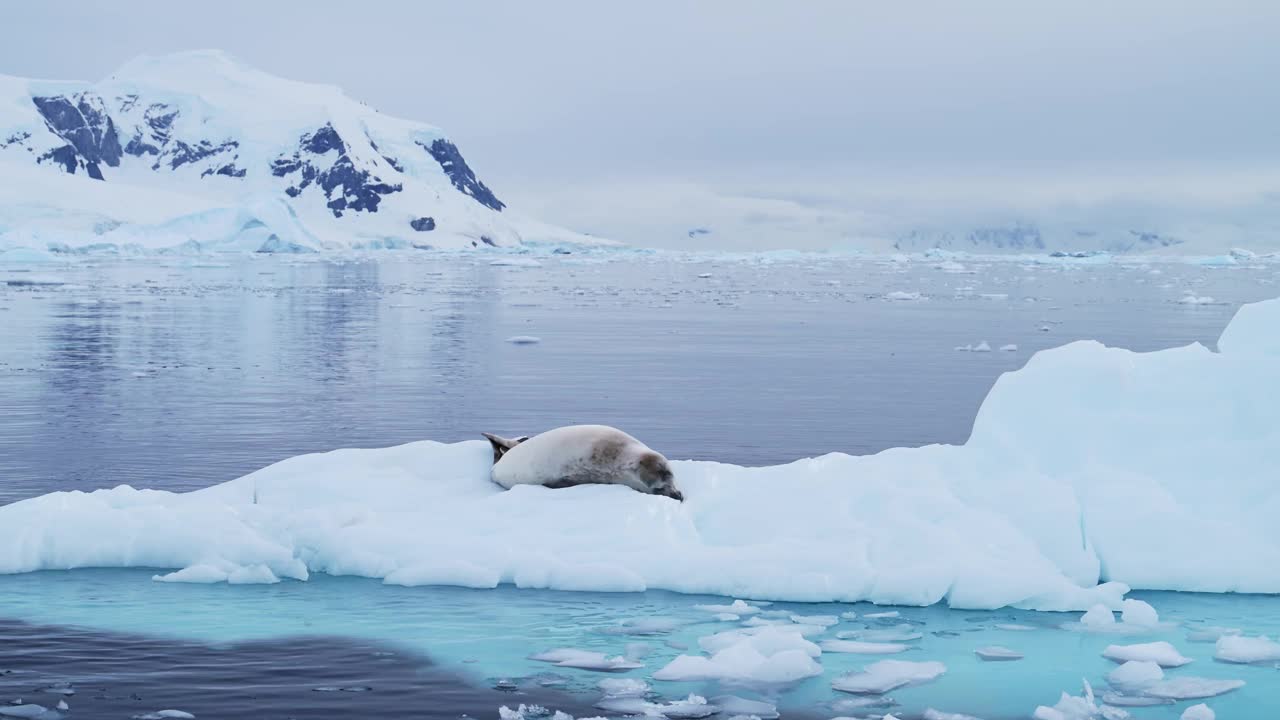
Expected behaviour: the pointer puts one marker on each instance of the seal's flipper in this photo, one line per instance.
(501, 445)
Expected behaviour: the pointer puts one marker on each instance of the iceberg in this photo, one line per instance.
(1089, 471)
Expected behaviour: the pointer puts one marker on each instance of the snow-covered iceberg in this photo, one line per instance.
(1089, 470)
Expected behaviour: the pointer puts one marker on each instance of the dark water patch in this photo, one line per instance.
(116, 675)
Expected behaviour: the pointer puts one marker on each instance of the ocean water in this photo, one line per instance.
(180, 373)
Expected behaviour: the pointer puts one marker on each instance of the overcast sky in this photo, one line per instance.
(607, 113)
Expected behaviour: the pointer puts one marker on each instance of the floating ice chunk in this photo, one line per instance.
(881, 677)
(994, 296)
(1161, 653)
(1015, 627)
(1193, 299)
(849, 615)
(704, 276)
(931, 714)
(767, 640)
(885, 614)
(62, 706)
(623, 687)
(1240, 649)
(997, 653)
(1082, 707)
(1198, 712)
(637, 651)
(983, 346)
(762, 621)
(1137, 612)
(734, 705)
(1011, 347)
(901, 295)
(694, 706)
(1135, 675)
(1098, 616)
(858, 704)
(742, 662)
(585, 660)
(28, 710)
(858, 647)
(628, 706)
(728, 617)
(1192, 688)
(1210, 634)
(825, 620)
(165, 715)
(524, 340)
(529, 712)
(737, 607)
(515, 262)
(950, 266)
(898, 634)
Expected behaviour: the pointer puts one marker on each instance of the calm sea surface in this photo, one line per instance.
(183, 373)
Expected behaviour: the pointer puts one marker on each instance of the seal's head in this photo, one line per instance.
(501, 445)
(656, 474)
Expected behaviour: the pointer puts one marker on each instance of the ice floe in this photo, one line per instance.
(1134, 675)
(1079, 707)
(1198, 712)
(1191, 688)
(858, 647)
(997, 653)
(585, 660)
(1240, 649)
(1162, 653)
(881, 677)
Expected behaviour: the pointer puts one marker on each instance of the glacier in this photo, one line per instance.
(198, 152)
(1090, 471)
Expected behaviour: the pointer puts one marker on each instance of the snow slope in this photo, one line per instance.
(1091, 464)
(199, 151)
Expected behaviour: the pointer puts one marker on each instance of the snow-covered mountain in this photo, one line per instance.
(197, 150)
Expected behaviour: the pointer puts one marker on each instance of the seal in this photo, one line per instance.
(581, 455)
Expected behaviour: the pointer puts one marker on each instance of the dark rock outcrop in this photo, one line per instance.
(460, 174)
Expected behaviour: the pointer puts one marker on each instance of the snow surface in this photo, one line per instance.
(1157, 466)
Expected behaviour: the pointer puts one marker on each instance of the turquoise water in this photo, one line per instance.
(486, 636)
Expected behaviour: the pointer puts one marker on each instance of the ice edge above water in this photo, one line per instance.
(1089, 471)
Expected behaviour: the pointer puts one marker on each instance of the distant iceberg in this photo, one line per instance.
(1089, 471)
